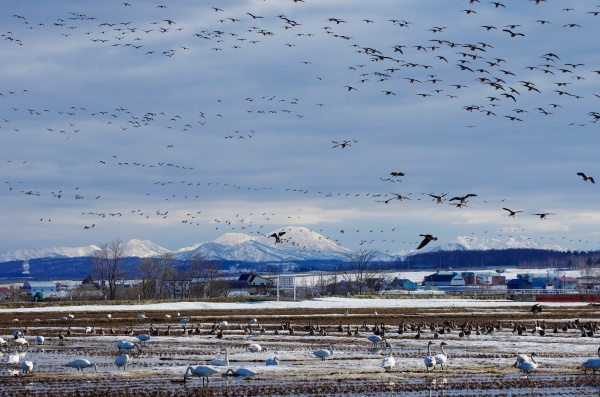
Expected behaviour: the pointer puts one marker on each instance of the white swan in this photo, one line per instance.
(375, 339)
(388, 363)
(528, 366)
(3, 342)
(442, 357)
(40, 340)
(429, 360)
(521, 358)
(122, 345)
(22, 342)
(14, 359)
(243, 372)
(255, 348)
(221, 362)
(143, 338)
(201, 370)
(141, 315)
(122, 361)
(323, 353)
(272, 361)
(592, 363)
(26, 367)
(81, 363)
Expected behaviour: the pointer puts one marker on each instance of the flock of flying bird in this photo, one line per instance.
(413, 63)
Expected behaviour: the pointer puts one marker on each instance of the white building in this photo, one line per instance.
(48, 288)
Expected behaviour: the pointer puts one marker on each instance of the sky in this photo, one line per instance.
(180, 121)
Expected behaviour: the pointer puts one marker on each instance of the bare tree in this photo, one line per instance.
(359, 270)
(166, 274)
(107, 263)
(149, 271)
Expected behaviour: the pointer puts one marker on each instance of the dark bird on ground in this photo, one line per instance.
(511, 212)
(585, 177)
(277, 236)
(536, 309)
(426, 239)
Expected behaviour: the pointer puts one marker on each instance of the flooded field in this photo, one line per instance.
(481, 345)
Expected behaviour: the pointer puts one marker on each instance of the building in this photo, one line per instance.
(48, 288)
(444, 279)
(249, 284)
(403, 283)
(523, 283)
(564, 282)
(483, 278)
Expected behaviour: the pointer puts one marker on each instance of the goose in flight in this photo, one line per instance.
(277, 237)
(426, 239)
(544, 215)
(585, 177)
(511, 212)
(439, 199)
(463, 199)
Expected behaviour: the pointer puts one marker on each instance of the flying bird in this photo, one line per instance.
(463, 199)
(426, 239)
(511, 212)
(277, 236)
(585, 177)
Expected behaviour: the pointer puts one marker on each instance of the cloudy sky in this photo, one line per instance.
(180, 121)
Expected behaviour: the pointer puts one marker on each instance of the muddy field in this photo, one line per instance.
(478, 364)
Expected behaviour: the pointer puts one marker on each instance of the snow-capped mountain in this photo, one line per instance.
(297, 243)
(465, 243)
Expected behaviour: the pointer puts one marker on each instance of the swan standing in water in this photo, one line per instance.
(81, 363)
(521, 358)
(442, 357)
(122, 345)
(389, 362)
(242, 372)
(429, 360)
(221, 362)
(255, 348)
(26, 367)
(592, 363)
(528, 366)
(323, 353)
(272, 361)
(14, 359)
(202, 371)
(122, 361)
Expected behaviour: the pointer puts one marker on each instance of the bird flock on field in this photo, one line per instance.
(467, 63)
(379, 339)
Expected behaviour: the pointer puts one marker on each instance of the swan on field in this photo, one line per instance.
(40, 340)
(141, 315)
(528, 366)
(3, 342)
(122, 345)
(442, 357)
(323, 353)
(429, 360)
(122, 360)
(272, 361)
(143, 338)
(81, 363)
(592, 363)
(521, 358)
(389, 362)
(20, 342)
(255, 348)
(202, 371)
(375, 339)
(14, 359)
(243, 372)
(221, 362)
(26, 367)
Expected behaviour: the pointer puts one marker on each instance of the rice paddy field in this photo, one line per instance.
(482, 343)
